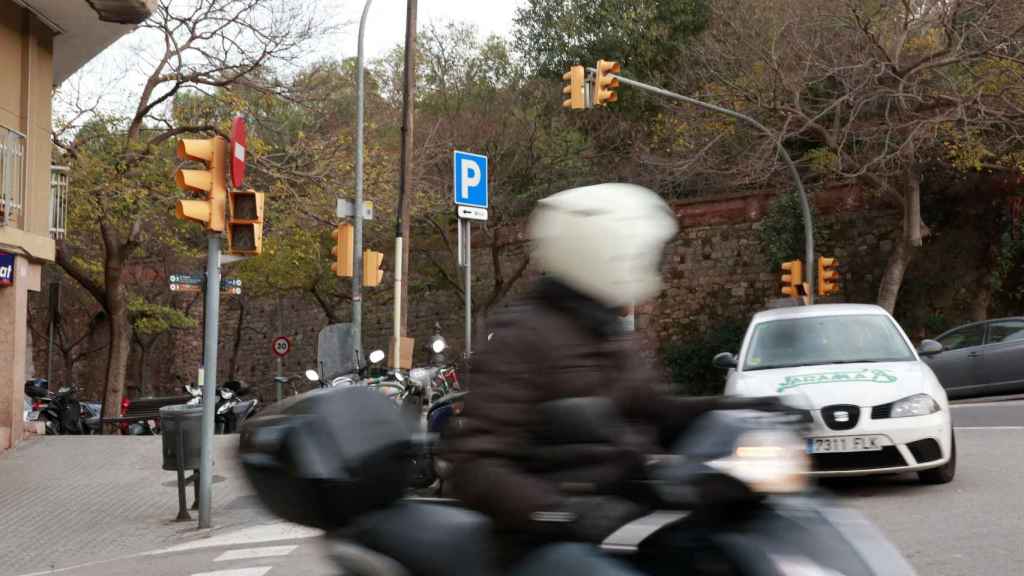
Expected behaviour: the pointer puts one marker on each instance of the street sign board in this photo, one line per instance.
(344, 209)
(237, 151)
(470, 179)
(194, 283)
(282, 345)
(472, 213)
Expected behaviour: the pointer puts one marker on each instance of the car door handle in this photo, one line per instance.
(975, 354)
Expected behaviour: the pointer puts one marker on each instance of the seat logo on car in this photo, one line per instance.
(864, 375)
(842, 416)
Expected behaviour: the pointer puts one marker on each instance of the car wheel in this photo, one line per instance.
(943, 474)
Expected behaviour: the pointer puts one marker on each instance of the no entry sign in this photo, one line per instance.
(237, 151)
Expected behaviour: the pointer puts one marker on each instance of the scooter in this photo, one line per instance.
(733, 496)
(60, 412)
(374, 359)
(230, 411)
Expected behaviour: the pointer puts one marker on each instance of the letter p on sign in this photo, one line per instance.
(470, 174)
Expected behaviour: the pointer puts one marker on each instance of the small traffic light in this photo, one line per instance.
(605, 84)
(245, 222)
(828, 276)
(574, 88)
(342, 251)
(372, 273)
(792, 278)
(209, 182)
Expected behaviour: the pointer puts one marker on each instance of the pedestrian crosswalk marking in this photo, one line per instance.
(256, 571)
(250, 553)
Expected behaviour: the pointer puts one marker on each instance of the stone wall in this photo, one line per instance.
(716, 271)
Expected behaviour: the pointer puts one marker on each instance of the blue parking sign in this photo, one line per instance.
(470, 179)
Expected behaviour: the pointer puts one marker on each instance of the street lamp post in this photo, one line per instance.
(804, 204)
(357, 209)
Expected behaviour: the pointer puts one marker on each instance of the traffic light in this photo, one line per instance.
(342, 251)
(605, 84)
(209, 182)
(828, 276)
(792, 278)
(372, 273)
(574, 90)
(245, 222)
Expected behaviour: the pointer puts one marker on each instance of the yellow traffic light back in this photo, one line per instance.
(209, 182)
(792, 278)
(605, 84)
(245, 222)
(828, 276)
(574, 88)
(372, 273)
(342, 251)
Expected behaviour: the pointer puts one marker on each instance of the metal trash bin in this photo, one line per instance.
(186, 421)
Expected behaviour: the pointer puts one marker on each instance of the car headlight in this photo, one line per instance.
(768, 461)
(916, 405)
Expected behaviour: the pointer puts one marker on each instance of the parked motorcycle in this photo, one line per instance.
(61, 412)
(373, 360)
(230, 410)
(733, 494)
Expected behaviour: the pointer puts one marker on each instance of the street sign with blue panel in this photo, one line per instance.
(470, 179)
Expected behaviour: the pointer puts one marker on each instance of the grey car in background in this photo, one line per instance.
(981, 359)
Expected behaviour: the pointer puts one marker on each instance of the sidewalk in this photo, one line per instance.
(67, 500)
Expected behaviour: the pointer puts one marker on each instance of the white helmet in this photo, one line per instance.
(605, 241)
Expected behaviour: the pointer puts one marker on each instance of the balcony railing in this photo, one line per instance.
(12, 178)
(58, 201)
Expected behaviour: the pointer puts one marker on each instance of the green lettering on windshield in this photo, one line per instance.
(864, 375)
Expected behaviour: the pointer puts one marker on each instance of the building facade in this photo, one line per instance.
(42, 43)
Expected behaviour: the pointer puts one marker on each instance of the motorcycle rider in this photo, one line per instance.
(600, 249)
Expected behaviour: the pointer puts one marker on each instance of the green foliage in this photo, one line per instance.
(689, 360)
(646, 36)
(782, 230)
(149, 319)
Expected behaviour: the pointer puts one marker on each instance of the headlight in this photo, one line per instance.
(768, 461)
(438, 345)
(917, 405)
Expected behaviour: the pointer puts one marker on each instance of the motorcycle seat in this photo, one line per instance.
(429, 539)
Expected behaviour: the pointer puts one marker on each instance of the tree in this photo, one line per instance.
(122, 166)
(646, 35)
(874, 91)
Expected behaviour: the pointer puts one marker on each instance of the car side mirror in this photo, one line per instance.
(725, 360)
(929, 348)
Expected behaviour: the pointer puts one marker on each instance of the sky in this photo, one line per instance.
(385, 25)
(116, 75)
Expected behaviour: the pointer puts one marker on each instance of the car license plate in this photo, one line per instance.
(844, 444)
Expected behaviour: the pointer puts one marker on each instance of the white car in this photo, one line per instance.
(877, 408)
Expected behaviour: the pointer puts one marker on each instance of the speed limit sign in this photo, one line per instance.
(281, 346)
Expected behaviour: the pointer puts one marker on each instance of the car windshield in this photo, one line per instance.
(825, 340)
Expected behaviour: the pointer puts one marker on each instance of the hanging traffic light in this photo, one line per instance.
(828, 276)
(792, 278)
(372, 273)
(604, 85)
(574, 88)
(245, 222)
(209, 182)
(342, 251)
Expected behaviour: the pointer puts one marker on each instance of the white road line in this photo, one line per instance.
(253, 535)
(250, 553)
(988, 427)
(256, 571)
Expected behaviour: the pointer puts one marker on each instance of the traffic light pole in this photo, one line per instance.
(804, 204)
(211, 309)
(357, 208)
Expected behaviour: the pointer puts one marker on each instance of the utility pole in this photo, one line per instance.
(357, 206)
(401, 326)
